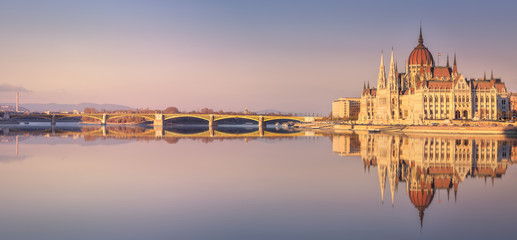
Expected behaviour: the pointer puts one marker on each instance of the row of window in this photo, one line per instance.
(461, 99)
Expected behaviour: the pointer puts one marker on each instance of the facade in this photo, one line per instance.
(426, 92)
(513, 105)
(346, 108)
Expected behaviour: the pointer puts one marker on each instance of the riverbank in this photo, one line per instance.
(472, 130)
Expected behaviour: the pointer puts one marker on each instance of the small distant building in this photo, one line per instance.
(346, 145)
(346, 108)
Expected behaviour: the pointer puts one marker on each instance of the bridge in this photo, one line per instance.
(159, 119)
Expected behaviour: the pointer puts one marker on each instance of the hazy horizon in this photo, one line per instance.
(292, 56)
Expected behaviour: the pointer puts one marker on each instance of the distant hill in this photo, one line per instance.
(10, 108)
(56, 107)
(267, 111)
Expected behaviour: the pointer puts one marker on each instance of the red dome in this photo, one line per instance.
(420, 55)
(421, 198)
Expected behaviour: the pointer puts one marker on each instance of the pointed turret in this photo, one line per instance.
(491, 74)
(392, 76)
(382, 180)
(364, 85)
(368, 84)
(484, 76)
(447, 60)
(454, 67)
(420, 39)
(381, 81)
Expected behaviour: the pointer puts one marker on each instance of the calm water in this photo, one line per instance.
(241, 183)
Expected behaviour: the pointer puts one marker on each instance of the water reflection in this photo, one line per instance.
(288, 189)
(428, 164)
(169, 134)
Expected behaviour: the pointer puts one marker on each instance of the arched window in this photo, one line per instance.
(447, 98)
(467, 98)
(425, 98)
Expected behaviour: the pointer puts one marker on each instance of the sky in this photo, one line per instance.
(294, 56)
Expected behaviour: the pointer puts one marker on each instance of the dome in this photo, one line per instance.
(420, 55)
(421, 198)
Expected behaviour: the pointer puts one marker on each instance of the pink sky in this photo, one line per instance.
(229, 56)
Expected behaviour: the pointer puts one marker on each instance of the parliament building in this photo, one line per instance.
(427, 93)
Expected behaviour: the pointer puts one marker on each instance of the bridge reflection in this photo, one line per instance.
(170, 134)
(428, 164)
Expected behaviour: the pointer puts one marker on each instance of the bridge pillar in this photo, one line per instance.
(104, 119)
(211, 121)
(53, 120)
(211, 130)
(158, 119)
(261, 130)
(261, 122)
(158, 131)
(104, 130)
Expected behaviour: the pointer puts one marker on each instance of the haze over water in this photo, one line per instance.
(130, 183)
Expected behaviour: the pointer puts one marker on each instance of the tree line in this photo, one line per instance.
(175, 110)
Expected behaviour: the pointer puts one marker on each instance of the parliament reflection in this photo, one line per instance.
(428, 164)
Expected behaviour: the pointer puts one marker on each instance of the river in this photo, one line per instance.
(117, 182)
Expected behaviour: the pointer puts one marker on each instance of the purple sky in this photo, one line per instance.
(293, 56)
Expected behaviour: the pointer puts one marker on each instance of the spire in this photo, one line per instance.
(364, 85)
(382, 180)
(455, 192)
(484, 76)
(421, 215)
(492, 74)
(455, 68)
(381, 81)
(396, 73)
(447, 60)
(392, 76)
(420, 39)
(392, 199)
(368, 84)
